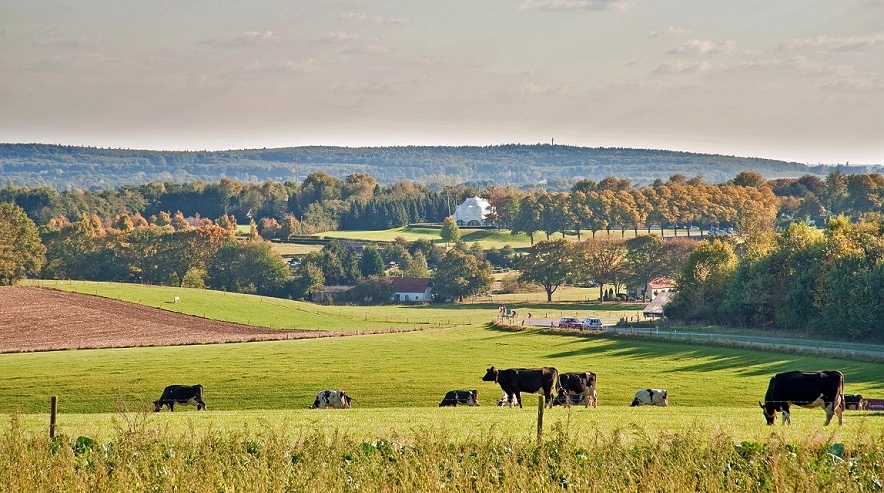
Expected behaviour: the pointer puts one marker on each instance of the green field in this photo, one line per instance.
(258, 434)
(490, 238)
(278, 313)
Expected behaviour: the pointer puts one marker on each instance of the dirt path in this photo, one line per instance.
(35, 319)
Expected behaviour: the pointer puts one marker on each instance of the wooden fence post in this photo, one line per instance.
(540, 408)
(53, 410)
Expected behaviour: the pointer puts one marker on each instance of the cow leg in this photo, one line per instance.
(518, 399)
(787, 420)
(171, 406)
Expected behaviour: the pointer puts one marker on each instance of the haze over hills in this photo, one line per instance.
(554, 166)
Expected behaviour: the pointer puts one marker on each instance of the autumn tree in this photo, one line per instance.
(601, 260)
(460, 274)
(527, 218)
(548, 263)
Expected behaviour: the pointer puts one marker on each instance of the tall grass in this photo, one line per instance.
(142, 458)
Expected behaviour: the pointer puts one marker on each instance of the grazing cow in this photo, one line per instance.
(576, 400)
(180, 394)
(855, 402)
(580, 384)
(464, 397)
(506, 400)
(514, 381)
(651, 397)
(823, 389)
(336, 399)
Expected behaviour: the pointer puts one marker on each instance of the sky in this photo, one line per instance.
(797, 80)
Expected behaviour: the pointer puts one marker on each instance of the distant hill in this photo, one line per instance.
(70, 167)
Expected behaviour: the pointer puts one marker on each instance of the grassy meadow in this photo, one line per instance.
(278, 313)
(258, 434)
(489, 238)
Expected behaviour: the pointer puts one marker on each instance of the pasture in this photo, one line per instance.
(278, 313)
(258, 434)
(489, 238)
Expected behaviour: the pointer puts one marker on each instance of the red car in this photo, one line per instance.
(570, 323)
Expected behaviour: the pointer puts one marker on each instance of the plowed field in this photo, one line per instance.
(36, 319)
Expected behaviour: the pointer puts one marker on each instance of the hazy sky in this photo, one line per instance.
(800, 80)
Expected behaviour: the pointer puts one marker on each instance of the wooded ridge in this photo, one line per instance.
(554, 166)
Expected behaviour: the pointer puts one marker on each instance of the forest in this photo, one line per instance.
(555, 167)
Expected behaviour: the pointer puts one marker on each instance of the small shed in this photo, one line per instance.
(330, 295)
(412, 289)
(472, 212)
(655, 307)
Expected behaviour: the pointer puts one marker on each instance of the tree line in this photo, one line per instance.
(323, 202)
(827, 282)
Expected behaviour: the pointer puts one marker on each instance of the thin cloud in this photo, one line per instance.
(282, 66)
(702, 47)
(681, 67)
(670, 31)
(338, 37)
(571, 5)
(371, 18)
(857, 84)
(70, 41)
(249, 38)
(844, 44)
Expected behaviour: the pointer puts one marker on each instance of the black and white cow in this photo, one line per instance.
(337, 399)
(854, 402)
(577, 386)
(651, 397)
(514, 381)
(180, 394)
(809, 389)
(461, 397)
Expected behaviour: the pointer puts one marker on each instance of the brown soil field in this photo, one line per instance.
(36, 319)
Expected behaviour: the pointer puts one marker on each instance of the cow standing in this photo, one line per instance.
(460, 397)
(180, 394)
(651, 397)
(514, 381)
(580, 385)
(337, 399)
(809, 389)
(855, 402)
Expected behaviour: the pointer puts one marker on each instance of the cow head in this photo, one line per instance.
(490, 375)
(345, 401)
(769, 416)
(157, 407)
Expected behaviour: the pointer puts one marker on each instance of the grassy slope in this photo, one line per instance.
(397, 381)
(489, 238)
(279, 313)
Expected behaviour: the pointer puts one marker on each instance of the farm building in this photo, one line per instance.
(329, 295)
(655, 307)
(472, 212)
(410, 289)
(653, 288)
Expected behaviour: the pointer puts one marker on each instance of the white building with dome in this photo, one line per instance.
(472, 212)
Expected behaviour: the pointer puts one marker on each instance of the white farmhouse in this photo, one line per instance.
(472, 212)
(410, 289)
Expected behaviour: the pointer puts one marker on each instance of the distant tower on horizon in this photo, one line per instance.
(553, 142)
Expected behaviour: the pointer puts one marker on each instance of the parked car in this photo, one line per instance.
(592, 323)
(570, 323)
